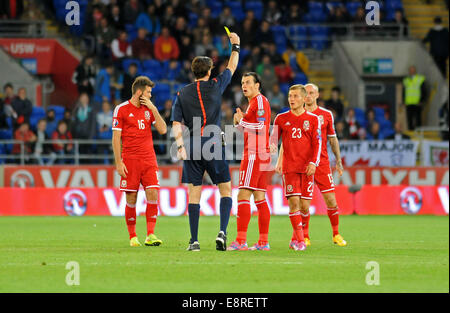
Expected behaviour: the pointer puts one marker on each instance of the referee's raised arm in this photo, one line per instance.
(235, 49)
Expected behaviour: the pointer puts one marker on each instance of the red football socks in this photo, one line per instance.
(151, 213)
(130, 218)
(305, 223)
(243, 218)
(296, 221)
(333, 215)
(263, 221)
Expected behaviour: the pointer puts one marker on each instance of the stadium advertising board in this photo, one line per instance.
(396, 200)
(170, 176)
(434, 153)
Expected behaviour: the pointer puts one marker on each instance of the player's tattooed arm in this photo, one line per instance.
(334, 143)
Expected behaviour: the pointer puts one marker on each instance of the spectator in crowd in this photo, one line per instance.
(351, 124)
(296, 59)
(293, 15)
(168, 18)
(127, 80)
(200, 30)
(437, 37)
(205, 46)
(362, 133)
(266, 71)
(104, 120)
(210, 22)
(223, 46)
(360, 27)
(131, 11)
(104, 84)
(342, 131)
(180, 29)
(94, 17)
(51, 122)
(264, 36)
(401, 22)
(105, 34)
(414, 91)
(84, 75)
(179, 8)
(68, 119)
(272, 13)
(186, 47)
(160, 6)
(443, 120)
(8, 90)
(84, 122)
(22, 106)
(370, 119)
(120, 47)
(61, 148)
(141, 47)
(3, 122)
(166, 47)
(226, 17)
(272, 52)
(26, 135)
(185, 75)
(284, 73)
(247, 34)
(11, 9)
(398, 135)
(335, 102)
(149, 20)
(41, 148)
(172, 71)
(32, 12)
(115, 17)
(374, 132)
(339, 15)
(276, 98)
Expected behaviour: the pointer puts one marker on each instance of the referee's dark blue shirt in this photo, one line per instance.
(201, 99)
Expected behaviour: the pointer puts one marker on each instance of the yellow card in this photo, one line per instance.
(227, 30)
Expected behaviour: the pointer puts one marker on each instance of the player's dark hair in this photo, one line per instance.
(140, 83)
(201, 65)
(256, 78)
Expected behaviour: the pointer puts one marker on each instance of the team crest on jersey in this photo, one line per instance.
(115, 123)
(147, 115)
(289, 188)
(260, 112)
(306, 125)
(123, 184)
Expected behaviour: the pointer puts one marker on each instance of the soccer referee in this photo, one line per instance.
(198, 106)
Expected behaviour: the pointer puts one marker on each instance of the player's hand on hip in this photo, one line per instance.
(181, 154)
(122, 169)
(234, 39)
(310, 169)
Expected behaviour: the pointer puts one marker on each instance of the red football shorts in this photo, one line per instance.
(253, 173)
(298, 184)
(324, 179)
(140, 171)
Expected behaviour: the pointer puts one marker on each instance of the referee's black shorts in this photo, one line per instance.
(217, 169)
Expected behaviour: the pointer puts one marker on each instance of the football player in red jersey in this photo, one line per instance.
(255, 124)
(299, 157)
(324, 177)
(135, 156)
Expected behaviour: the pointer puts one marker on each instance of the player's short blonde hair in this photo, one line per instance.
(314, 86)
(140, 83)
(298, 87)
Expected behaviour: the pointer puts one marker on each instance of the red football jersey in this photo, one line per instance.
(301, 140)
(135, 124)
(256, 125)
(327, 128)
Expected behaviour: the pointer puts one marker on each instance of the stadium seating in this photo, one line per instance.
(161, 92)
(360, 116)
(298, 36)
(300, 78)
(126, 63)
(36, 115)
(236, 9)
(318, 37)
(279, 37)
(216, 8)
(352, 7)
(59, 111)
(257, 8)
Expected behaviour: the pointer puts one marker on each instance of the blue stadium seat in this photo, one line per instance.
(154, 68)
(257, 8)
(298, 36)
(36, 114)
(216, 8)
(332, 5)
(360, 116)
(379, 113)
(352, 7)
(161, 93)
(279, 36)
(300, 78)
(192, 20)
(236, 9)
(284, 88)
(126, 63)
(319, 37)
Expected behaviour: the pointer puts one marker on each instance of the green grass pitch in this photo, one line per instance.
(412, 253)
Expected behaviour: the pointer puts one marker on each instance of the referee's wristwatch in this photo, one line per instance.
(236, 47)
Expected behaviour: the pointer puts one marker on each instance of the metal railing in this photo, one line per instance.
(22, 29)
(84, 151)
